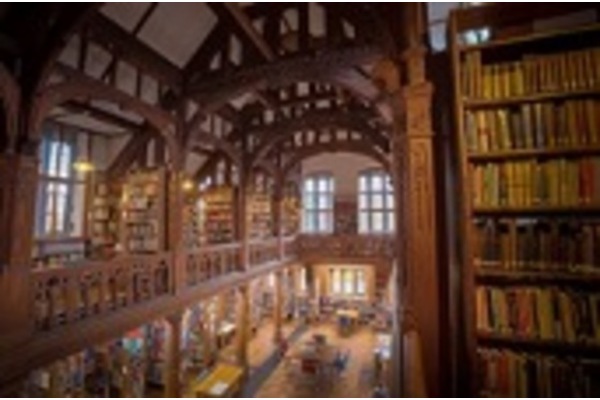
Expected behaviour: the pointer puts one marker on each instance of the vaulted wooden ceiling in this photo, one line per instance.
(233, 72)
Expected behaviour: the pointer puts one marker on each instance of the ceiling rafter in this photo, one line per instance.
(125, 46)
(246, 24)
(101, 115)
(316, 120)
(362, 146)
(134, 32)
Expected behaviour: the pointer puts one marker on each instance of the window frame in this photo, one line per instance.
(367, 211)
(58, 186)
(320, 213)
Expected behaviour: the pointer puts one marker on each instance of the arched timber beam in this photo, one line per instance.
(363, 147)
(10, 100)
(215, 91)
(316, 121)
(79, 86)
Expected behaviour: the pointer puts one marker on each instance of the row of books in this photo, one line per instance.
(534, 126)
(527, 183)
(537, 244)
(506, 373)
(532, 74)
(538, 313)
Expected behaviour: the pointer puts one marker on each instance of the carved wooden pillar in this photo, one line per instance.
(243, 325)
(421, 285)
(173, 356)
(18, 189)
(278, 309)
(416, 278)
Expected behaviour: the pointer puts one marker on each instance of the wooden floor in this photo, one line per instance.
(356, 381)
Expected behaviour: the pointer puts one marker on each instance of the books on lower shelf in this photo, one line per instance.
(193, 236)
(549, 313)
(531, 74)
(529, 183)
(540, 125)
(219, 214)
(551, 245)
(506, 373)
(259, 214)
(103, 219)
(143, 211)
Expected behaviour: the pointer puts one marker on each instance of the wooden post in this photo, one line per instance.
(243, 326)
(242, 231)
(278, 217)
(18, 189)
(278, 309)
(173, 357)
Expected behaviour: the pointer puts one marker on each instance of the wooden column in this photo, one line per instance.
(416, 279)
(18, 189)
(422, 288)
(243, 326)
(242, 231)
(277, 210)
(278, 309)
(173, 356)
(175, 244)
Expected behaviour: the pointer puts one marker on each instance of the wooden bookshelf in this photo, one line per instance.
(259, 214)
(193, 235)
(513, 277)
(144, 211)
(103, 222)
(587, 349)
(516, 154)
(218, 214)
(527, 136)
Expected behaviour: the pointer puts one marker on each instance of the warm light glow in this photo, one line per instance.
(83, 166)
(187, 185)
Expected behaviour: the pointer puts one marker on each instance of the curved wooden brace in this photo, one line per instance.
(81, 86)
(316, 120)
(358, 147)
(214, 92)
(10, 99)
(222, 145)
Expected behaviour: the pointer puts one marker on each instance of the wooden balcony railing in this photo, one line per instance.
(64, 295)
(312, 247)
(263, 252)
(211, 262)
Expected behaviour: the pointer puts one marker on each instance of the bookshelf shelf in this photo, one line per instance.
(516, 154)
(515, 277)
(538, 345)
(534, 98)
(568, 211)
(529, 39)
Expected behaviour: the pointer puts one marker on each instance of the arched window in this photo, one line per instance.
(317, 203)
(375, 202)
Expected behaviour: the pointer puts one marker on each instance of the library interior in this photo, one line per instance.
(299, 199)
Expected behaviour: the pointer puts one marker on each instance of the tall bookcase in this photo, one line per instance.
(528, 137)
(144, 211)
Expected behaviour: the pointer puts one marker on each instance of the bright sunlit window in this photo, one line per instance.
(348, 282)
(317, 205)
(375, 202)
